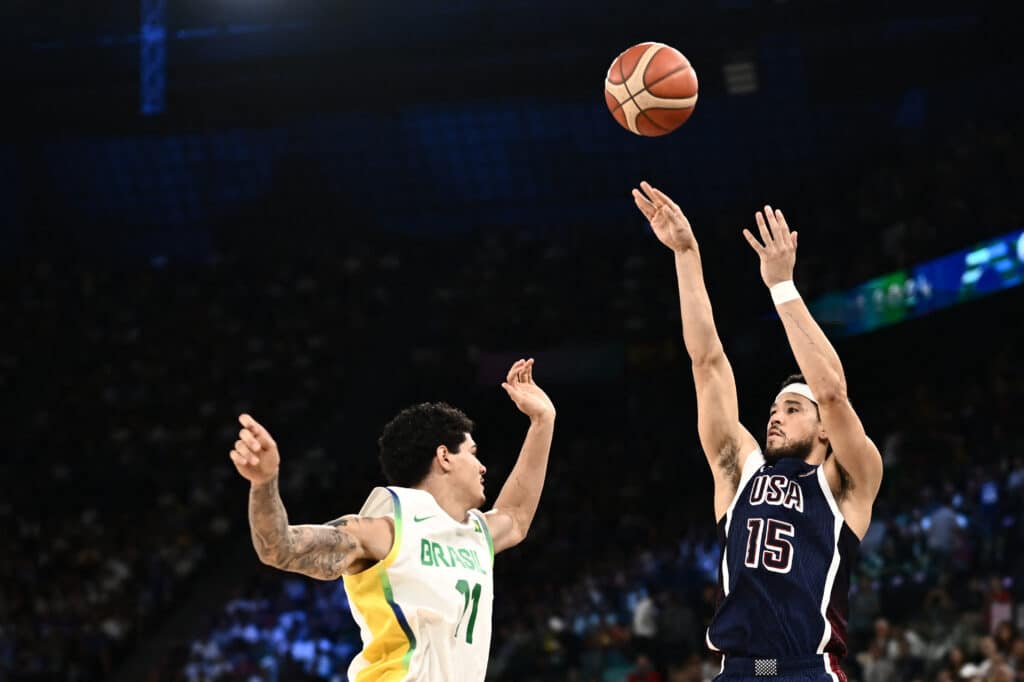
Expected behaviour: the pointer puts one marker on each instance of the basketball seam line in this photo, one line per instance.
(625, 84)
(646, 88)
(632, 97)
(652, 122)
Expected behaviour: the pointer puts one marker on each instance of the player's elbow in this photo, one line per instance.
(708, 359)
(831, 392)
(269, 559)
(271, 555)
(511, 540)
(520, 529)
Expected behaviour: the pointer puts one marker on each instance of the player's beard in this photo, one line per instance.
(798, 450)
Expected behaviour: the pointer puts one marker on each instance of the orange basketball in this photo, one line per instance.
(651, 89)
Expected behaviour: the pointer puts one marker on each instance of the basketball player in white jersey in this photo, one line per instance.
(790, 518)
(417, 561)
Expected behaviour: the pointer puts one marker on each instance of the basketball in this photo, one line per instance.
(651, 89)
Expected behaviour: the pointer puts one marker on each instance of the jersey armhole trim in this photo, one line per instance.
(396, 543)
(833, 569)
(826, 489)
(485, 529)
(396, 546)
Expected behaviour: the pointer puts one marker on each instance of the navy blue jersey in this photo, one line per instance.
(786, 558)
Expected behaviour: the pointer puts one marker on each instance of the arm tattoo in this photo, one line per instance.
(802, 330)
(317, 551)
(322, 552)
(268, 521)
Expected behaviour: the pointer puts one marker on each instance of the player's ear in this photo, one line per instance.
(443, 458)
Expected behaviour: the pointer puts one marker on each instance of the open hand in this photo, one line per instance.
(528, 396)
(778, 251)
(667, 220)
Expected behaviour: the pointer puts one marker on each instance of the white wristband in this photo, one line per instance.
(784, 292)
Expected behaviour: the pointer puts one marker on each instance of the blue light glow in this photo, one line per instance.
(898, 296)
(152, 57)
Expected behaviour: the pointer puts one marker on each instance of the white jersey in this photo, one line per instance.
(424, 611)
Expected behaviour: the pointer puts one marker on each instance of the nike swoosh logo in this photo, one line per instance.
(417, 519)
(809, 473)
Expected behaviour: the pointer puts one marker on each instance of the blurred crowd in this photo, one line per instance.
(936, 593)
(123, 383)
(911, 202)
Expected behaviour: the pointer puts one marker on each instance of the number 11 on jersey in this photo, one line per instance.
(463, 587)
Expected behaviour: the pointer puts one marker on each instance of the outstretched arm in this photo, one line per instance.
(513, 512)
(724, 440)
(326, 552)
(817, 359)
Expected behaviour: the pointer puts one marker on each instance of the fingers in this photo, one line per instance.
(513, 372)
(514, 391)
(521, 372)
(762, 228)
(774, 231)
(257, 431)
(242, 455)
(242, 461)
(777, 224)
(658, 198)
(790, 235)
(645, 206)
(773, 225)
(754, 244)
(250, 440)
(527, 373)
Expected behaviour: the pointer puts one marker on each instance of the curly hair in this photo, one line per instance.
(409, 441)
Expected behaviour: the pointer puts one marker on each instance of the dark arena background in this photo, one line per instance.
(321, 212)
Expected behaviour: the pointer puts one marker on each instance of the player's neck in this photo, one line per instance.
(817, 456)
(446, 498)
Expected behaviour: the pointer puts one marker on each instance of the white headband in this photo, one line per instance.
(799, 389)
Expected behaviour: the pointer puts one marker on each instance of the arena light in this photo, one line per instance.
(958, 277)
(740, 77)
(152, 56)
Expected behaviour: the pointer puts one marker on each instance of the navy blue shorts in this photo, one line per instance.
(821, 668)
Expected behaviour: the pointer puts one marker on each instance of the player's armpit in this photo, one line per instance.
(854, 451)
(375, 535)
(504, 529)
(726, 443)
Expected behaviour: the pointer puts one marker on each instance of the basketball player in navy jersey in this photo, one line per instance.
(790, 517)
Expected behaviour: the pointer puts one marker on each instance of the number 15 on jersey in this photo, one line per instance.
(767, 545)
